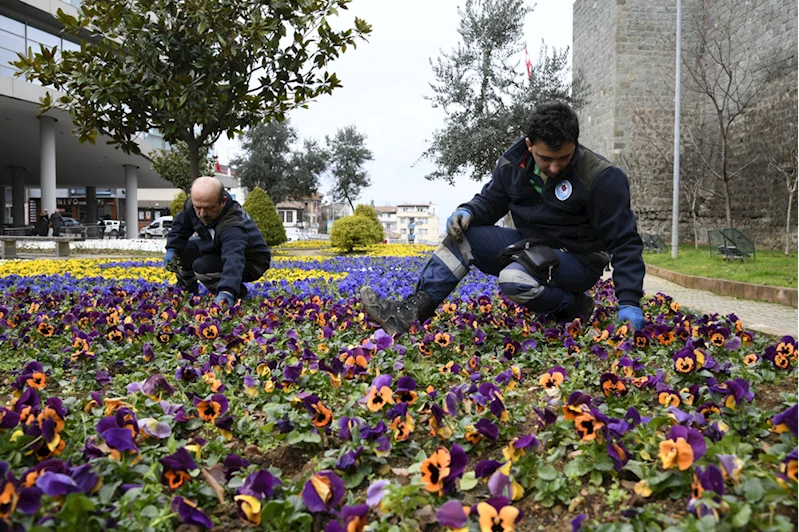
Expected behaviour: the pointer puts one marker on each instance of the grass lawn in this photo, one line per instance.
(770, 267)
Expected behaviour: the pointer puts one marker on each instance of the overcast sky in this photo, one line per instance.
(384, 84)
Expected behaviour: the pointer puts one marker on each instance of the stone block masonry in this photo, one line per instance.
(623, 57)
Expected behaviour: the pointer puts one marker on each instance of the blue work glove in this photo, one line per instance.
(170, 257)
(458, 223)
(632, 314)
(224, 297)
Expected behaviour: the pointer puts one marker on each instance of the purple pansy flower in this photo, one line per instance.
(56, 484)
(375, 492)
(323, 492)
(786, 421)
(190, 513)
(487, 429)
(452, 515)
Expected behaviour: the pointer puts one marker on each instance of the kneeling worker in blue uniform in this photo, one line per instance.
(228, 250)
(571, 209)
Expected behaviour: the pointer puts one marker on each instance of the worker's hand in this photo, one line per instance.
(170, 259)
(224, 297)
(632, 314)
(458, 223)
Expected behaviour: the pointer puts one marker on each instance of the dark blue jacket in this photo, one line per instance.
(585, 209)
(239, 241)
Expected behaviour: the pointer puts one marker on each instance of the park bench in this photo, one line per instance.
(653, 243)
(61, 244)
(730, 244)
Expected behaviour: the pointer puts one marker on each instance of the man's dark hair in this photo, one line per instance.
(554, 123)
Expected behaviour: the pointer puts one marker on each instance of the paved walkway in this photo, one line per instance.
(769, 318)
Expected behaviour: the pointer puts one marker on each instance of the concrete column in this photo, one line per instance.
(18, 196)
(2, 203)
(91, 205)
(131, 201)
(47, 177)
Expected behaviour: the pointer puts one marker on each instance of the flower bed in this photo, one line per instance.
(131, 405)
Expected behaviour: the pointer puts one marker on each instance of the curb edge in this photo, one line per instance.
(788, 297)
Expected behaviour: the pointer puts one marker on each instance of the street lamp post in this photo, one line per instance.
(675, 209)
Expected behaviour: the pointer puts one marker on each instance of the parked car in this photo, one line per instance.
(70, 222)
(158, 229)
(114, 227)
(293, 234)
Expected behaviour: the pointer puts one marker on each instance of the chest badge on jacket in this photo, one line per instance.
(563, 190)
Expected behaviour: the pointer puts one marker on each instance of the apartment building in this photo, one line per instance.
(387, 216)
(418, 223)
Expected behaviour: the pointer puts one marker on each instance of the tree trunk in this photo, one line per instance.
(723, 133)
(727, 203)
(194, 158)
(692, 200)
(788, 224)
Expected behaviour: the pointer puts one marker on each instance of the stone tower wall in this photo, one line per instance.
(595, 68)
(624, 58)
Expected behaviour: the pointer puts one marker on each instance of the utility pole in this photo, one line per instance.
(675, 208)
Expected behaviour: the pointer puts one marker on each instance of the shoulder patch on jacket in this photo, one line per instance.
(589, 165)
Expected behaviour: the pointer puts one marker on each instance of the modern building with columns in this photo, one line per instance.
(39, 151)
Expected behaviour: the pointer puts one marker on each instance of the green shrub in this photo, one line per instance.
(260, 207)
(366, 210)
(354, 231)
(369, 212)
(177, 203)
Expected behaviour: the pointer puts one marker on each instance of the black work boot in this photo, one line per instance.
(243, 292)
(397, 316)
(583, 307)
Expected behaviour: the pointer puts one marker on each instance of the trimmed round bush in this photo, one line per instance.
(369, 212)
(260, 207)
(354, 231)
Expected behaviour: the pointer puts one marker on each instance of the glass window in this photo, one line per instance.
(289, 217)
(5, 57)
(12, 26)
(8, 72)
(12, 42)
(39, 36)
(69, 45)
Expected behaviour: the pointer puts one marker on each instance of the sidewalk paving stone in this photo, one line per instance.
(768, 318)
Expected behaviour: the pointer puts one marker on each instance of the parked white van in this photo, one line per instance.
(158, 229)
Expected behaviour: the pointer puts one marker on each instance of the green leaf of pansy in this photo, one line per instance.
(354, 480)
(468, 481)
(547, 473)
(634, 467)
(753, 489)
(742, 517)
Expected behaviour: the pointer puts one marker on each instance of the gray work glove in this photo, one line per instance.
(458, 223)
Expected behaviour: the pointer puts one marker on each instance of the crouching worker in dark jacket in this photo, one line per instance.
(571, 209)
(228, 251)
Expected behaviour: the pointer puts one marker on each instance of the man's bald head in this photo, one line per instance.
(208, 198)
